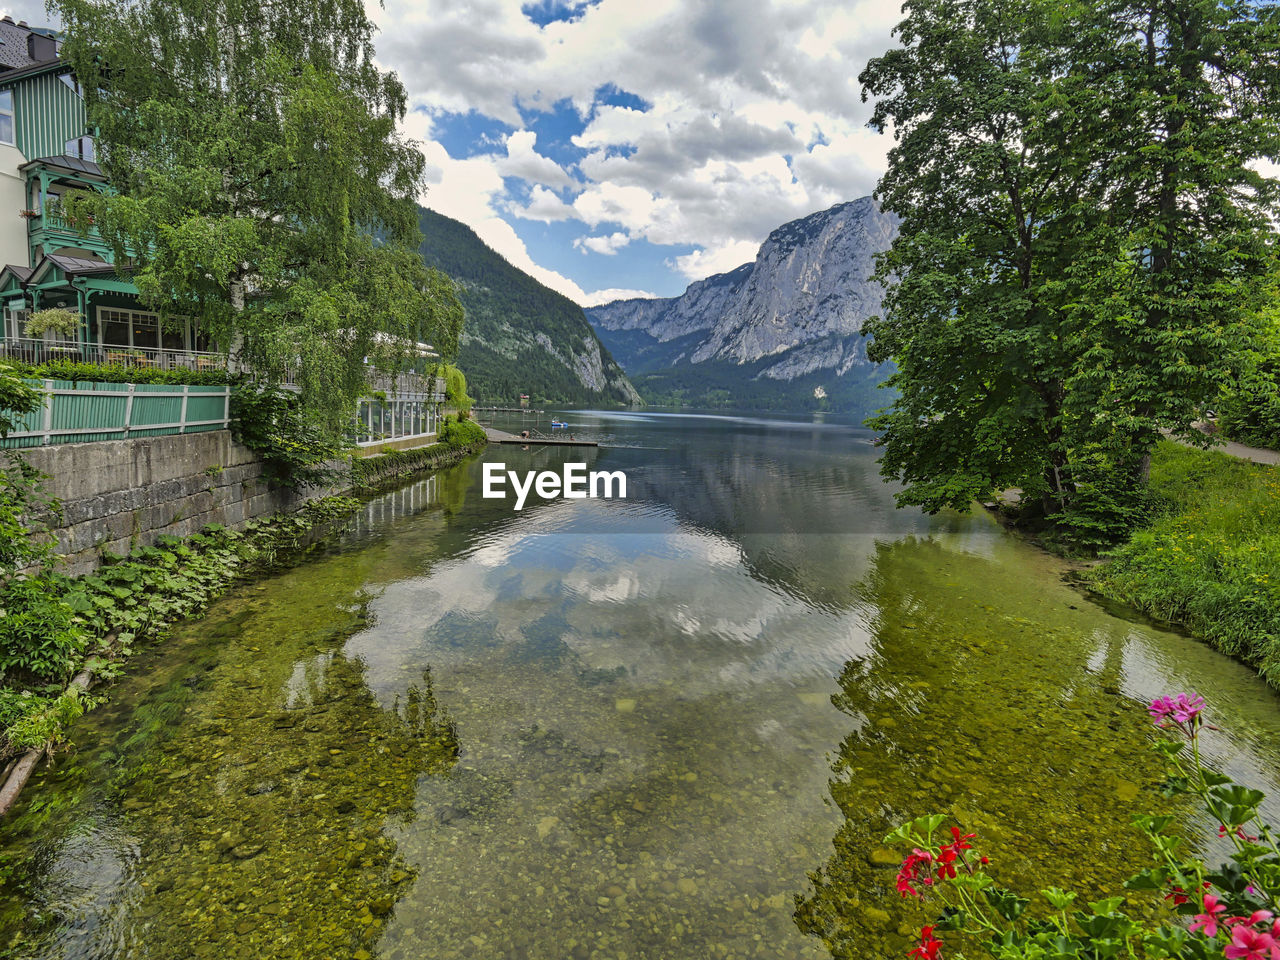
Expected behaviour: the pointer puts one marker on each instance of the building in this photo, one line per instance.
(48, 259)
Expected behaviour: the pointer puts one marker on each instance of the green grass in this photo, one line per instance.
(1211, 559)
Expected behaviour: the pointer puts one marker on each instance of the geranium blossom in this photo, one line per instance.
(910, 872)
(928, 947)
(1250, 944)
(1207, 921)
(1184, 709)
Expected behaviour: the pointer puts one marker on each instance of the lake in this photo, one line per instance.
(677, 725)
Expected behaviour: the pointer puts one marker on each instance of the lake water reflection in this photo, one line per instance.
(673, 726)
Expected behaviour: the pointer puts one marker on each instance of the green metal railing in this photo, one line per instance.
(77, 411)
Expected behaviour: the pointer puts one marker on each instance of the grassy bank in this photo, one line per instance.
(95, 622)
(60, 627)
(1211, 559)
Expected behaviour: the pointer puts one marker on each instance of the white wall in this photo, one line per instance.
(13, 228)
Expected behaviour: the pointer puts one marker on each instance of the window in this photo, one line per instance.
(81, 147)
(6, 117)
(138, 330)
(15, 322)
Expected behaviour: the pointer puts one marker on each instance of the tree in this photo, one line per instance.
(1080, 244)
(1168, 294)
(259, 182)
(970, 314)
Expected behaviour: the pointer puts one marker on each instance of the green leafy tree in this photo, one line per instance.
(260, 184)
(1166, 295)
(1083, 240)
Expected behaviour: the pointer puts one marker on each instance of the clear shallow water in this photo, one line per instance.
(673, 726)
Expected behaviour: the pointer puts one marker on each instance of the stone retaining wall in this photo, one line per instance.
(120, 494)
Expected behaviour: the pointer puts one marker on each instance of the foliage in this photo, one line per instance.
(1083, 246)
(461, 433)
(44, 722)
(1251, 413)
(65, 323)
(25, 538)
(17, 398)
(1231, 908)
(455, 439)
(68, 622)
(260, 183)
(114, 373)
(455, 387)
(296, 450)
(38, 639)
(1211, 560)
(506, 308)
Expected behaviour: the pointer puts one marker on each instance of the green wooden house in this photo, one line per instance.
(48, 259)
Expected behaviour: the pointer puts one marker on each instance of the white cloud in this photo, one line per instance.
(543, 205)
(467, 189)
(606, 245)
(752, 114)
(703, 263)
(524, 161)
(616, 293)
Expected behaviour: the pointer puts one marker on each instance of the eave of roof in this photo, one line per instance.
(33, 70)
(68, 163)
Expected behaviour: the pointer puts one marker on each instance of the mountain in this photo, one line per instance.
(519, 336)
(783, 332)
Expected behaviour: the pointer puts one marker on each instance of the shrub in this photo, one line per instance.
(37, 633)
(115, 373)
(1211, 558)
(297, 451)
(17, 398)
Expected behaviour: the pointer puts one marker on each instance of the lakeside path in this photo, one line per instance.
(1256, 454)
(1238, 450)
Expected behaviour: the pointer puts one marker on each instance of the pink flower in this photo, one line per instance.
(1207, 922)
(1250, 944)
(1161, 707)
(1258, 916)
(1187, 707)
(1184, 710)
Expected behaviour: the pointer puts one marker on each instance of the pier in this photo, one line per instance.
(540, 439)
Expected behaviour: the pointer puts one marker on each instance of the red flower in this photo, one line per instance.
(1177, 895)
(928, 947)
(949, 853)
(910, 872)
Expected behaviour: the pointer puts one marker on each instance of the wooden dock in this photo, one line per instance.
(501, 436)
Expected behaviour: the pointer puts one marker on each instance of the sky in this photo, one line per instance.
(616, 148)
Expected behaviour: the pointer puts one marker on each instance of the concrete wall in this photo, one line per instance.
(120, 494)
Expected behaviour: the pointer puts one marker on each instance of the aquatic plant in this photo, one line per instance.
(1229, 911)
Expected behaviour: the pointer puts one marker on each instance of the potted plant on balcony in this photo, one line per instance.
(64, 323)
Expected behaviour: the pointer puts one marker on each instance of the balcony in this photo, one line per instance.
(35, 352)
(42, 351)
(50, 231)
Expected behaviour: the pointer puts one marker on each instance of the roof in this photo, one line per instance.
(16, 47)
(22, 273)
(73, 164)
(70, 267)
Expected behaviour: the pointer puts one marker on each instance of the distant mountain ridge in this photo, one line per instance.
(782, 332)
(520, 337)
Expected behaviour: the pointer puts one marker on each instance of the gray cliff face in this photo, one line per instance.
(666, 319)
(801, 303)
